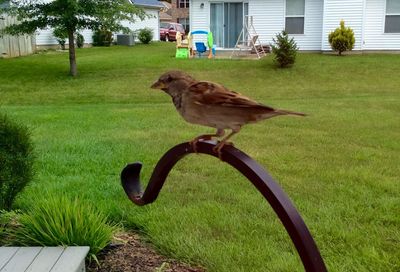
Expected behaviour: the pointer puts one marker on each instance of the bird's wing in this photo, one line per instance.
(212, 94)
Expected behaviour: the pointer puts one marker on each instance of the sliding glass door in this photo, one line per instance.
(233, 19)
(217, 23)
(226, 22)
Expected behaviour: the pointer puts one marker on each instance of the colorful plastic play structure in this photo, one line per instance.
(184, 49)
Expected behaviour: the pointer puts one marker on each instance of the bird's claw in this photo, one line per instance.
(218, 148)
(193, 143)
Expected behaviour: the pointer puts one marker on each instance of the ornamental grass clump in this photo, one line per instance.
(60, 221)
(8, 222)
(16, 160)
(342, 39)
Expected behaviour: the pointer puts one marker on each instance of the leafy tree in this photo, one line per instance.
(71, 15)
(284, 49)
(342, 38)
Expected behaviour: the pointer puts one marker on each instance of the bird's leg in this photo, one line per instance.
(220, 145)
(206, 137)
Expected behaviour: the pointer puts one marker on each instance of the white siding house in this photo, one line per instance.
(351, 11)
(45, 38)
(375, 37)
(152, 22)
(376, 23)
(152, 9)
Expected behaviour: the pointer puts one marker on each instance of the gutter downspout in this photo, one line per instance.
(323, 26)
(363, 25)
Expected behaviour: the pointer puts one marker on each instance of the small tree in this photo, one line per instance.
(342, 39)
(284, 49)
(71, 15)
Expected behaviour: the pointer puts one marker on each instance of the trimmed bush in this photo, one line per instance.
(60, 221)
(342, 39)
(16, 160)
(145, 35)
(284, 49)
(102, 37)
(80, 40)
(61, 36)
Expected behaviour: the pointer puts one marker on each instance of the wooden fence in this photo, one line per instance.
(14, 46)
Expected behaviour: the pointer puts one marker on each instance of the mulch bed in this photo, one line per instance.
(130, 254)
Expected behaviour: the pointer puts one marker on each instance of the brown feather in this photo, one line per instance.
(287, 112)
(208, 93)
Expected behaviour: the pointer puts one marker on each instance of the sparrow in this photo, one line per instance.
(213, 105)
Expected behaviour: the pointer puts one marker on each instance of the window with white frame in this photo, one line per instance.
(185, 23)
(294, 20)
(183, 4)
(392, 18)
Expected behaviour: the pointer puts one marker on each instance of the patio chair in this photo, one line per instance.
(200, 48)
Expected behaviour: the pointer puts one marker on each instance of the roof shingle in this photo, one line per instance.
(148, 3)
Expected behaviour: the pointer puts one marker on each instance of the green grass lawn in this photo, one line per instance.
(340, 165)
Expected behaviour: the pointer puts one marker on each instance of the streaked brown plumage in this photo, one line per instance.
(211, 104)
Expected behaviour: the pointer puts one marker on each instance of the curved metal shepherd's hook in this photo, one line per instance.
(271, 191)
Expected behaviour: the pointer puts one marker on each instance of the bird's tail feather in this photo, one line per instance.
(290, 112)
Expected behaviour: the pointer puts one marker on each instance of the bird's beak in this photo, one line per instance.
(158, 85)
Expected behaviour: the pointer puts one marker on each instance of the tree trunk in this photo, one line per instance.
(72, 58)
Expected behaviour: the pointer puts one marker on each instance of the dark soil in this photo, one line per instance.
(130, 254)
